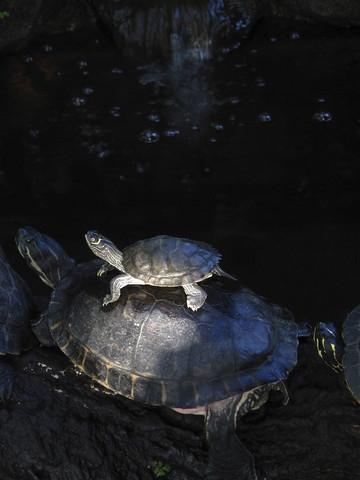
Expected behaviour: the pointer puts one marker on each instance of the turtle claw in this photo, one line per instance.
(107, 300)
(110, 299)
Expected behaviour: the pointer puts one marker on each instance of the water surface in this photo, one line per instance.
(255, 151)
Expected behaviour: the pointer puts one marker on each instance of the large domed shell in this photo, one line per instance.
(149, 347)
(170, 261)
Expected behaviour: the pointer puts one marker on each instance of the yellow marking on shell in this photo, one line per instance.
(106, 381)
(86, 351)
(226, 385)
(133, 380)
(163, 393)
(64, 347)
(56, 325)
(196, 393)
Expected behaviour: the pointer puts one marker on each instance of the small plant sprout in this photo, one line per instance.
(160, 469)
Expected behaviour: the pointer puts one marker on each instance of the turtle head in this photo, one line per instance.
(329, 345)
(103, 248)
(44, 255)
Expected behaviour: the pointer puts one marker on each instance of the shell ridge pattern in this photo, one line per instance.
(170, 261)
(143, 323)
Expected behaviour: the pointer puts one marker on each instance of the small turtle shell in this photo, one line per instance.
(169, 261)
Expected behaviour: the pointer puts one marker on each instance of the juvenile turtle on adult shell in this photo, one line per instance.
(15, 311)
(341, 352)
(161, 261)
(220, 361)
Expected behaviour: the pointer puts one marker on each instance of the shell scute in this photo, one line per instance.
(180, 262)
(169, 261)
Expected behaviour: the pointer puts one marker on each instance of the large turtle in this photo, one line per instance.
(342, 352)
(220, 361)
(162, 261)
(15, 329)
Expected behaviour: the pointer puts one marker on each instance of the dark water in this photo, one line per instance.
(279, 198)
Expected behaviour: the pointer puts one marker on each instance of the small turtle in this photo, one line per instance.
(161, 261)
(15, 330)
(342, 352)
(220, 361)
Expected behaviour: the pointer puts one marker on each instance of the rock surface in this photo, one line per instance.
(60, 425)
(161, 27)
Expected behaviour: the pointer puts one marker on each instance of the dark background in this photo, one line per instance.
(279, 199)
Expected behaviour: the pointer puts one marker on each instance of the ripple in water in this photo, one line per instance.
(265, 117)
(322, 117)
(149, 136)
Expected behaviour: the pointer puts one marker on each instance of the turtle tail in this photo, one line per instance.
(219, 271)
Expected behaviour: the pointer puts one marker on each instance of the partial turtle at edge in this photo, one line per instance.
(220, 361)
(15, 330)
(161, 261)
(342, 352)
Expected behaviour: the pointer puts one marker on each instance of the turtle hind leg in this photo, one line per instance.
(195, 296)
(116, 284)
(228, 457)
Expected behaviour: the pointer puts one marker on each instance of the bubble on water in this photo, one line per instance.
(34, 132)
(212, 140)
(117, 70)
(153, 117)
(321, 100)
(217, 126)
(295, 36)
(81, 64)
(273, 39)
(171, 133)
(88, 90)
(265, 117)
(149, 136)
(115, 111)
(322, 117)
(260, 82)
(78, 101)
(47, 48)
(100, 149)
(28, 58)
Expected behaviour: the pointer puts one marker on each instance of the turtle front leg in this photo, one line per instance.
(116, 284)
(195, 296)
(229, 459)
(105, 267)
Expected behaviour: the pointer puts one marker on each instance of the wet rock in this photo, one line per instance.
(60, 425)
(335, 12)
(167, 28)
(20, 21)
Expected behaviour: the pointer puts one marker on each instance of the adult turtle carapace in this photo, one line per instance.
(220, 361)
(16, 308)
(161, 261)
